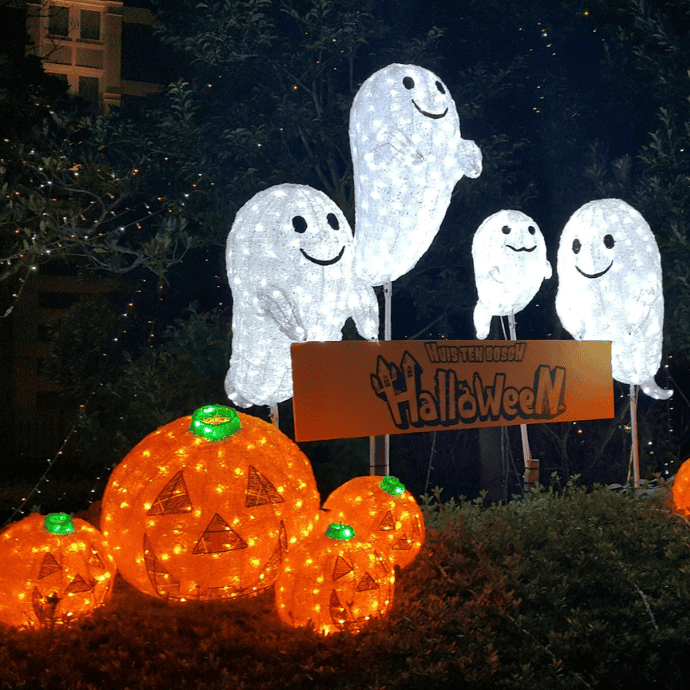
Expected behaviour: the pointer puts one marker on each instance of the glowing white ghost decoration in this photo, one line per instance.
(510, 265)
(407, 154)
(289, 261)
(609, 288)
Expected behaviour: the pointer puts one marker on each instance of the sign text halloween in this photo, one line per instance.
(348, 389)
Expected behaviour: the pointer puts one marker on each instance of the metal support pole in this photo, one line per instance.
(274, 416)
(379, 446)
(635, 453)
(531, 464)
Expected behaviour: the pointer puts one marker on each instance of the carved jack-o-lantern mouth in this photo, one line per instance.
(594, 275)
(433, 116)
(521, 249)
(324, 262)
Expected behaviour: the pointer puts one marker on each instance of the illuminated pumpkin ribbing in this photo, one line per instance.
(381, 511)
(208, 516)
(681, 489)
(334, 581)
(52, 569)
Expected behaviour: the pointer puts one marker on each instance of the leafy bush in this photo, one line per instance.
(568, 588)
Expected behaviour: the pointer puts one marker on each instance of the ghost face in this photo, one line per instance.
(408, 99)
(510, 239)
(607, 245)
(595, 258)
(517, 240)
(321, 241)
(427, 93)
(288, 235)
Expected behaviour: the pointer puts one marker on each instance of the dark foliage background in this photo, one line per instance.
(567, 102)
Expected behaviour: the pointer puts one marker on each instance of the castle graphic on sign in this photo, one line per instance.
(455, 400)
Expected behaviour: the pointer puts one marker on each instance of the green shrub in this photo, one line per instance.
(563, 589)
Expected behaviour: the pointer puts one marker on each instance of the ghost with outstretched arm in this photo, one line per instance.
(609, 288)
(289, 261)
(407, 154)
(510, 264)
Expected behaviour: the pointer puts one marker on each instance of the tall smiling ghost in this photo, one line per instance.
(289, 263)
(407, 154)
(510, 265)
(609, 288)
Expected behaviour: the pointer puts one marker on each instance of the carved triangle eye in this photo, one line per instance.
(173, 498)
(218, 537)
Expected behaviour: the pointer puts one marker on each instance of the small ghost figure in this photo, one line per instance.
(510, 264)
(289, 262)
(609, 288)
(407, 156)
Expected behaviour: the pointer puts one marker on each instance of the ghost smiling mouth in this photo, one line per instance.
(594, 275)
(521, 249)
(324, 262)
(433, 116)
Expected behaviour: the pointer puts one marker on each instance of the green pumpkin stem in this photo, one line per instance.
(393, 486)
(338, 531)
(215, 422)
(58, 523)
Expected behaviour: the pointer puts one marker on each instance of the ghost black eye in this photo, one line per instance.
(532, 229)
(505, 230)
(408, 83)
(299, 224)
(576, 246)
(609, 241)
(439, 86)
(333, 221)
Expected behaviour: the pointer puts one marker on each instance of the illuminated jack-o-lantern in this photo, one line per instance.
(380, 510)
(334, 581)
(510, 264)
(680, 491)
(207, 506)
(407, 155)
(289, 262)
(609, 288)
(52, 569)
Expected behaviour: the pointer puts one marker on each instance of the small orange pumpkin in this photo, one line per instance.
(333, 582)
(380, 510)
(206, 506)
(52, 569)
(681, 489)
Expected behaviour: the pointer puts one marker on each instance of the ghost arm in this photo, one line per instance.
(278, 307)
(470, 158)
(364, 310)
(395, 145)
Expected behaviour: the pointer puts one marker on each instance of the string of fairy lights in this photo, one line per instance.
(106, 216)
(147, 212)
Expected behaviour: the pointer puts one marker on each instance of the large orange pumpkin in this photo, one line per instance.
(681, 489)
(52, 569)
(380, 510)
(206, 506)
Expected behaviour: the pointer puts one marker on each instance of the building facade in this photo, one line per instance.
(81, 41)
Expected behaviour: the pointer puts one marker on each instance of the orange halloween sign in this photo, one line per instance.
(356, 388)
